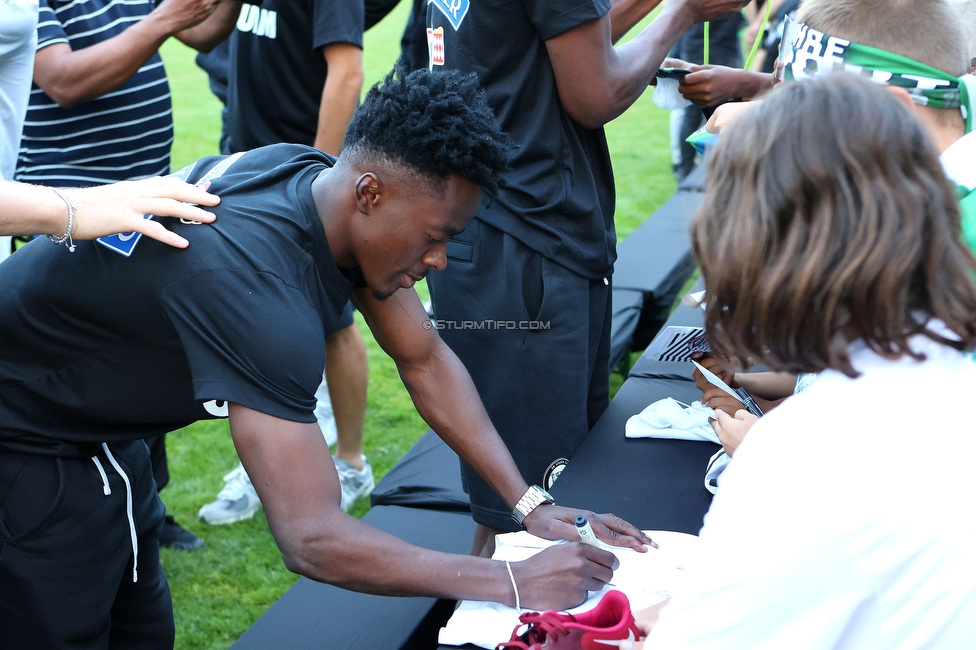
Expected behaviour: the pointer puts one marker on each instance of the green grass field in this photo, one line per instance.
(219, 591)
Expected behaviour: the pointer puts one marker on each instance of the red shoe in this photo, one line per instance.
(606, 625)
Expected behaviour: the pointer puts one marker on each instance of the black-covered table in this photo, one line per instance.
(652, 483)
(316, 616)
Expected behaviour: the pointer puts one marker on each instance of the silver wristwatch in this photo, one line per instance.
(534, 497)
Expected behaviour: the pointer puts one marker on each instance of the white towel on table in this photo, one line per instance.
(669, 418)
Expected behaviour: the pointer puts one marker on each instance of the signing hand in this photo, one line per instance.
(722, 367)
(560, 576)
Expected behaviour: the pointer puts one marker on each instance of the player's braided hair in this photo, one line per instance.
(437, 123)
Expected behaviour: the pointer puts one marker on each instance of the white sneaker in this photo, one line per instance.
(356, 483)
(323, 413)
(236, 502)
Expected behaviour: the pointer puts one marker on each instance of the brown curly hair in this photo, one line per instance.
(828, 218)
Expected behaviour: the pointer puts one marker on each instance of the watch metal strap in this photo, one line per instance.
(534, 497)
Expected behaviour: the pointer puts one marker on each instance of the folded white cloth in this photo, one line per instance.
(669, 418)
(667, 96)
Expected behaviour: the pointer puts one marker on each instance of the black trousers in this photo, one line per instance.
(77, 570)
(535, 338)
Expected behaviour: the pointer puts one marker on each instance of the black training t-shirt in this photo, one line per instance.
(559, 197)
(277, 71)
(96, 346)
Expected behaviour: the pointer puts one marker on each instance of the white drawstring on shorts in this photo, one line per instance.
(128, 504)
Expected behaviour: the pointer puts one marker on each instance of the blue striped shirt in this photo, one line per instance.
(122, 135)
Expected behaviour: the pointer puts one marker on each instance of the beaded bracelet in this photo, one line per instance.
(66, 237)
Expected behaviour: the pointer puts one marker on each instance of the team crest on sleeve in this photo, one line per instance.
(435, 46)
(454, 10)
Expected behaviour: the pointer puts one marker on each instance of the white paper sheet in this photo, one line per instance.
(646, 579)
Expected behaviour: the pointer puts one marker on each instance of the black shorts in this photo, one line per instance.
(67, 570)
(535, 338)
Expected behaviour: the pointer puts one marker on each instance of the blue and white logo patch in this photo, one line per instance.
(455, 10)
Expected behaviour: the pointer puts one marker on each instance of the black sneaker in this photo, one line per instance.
(175, 536)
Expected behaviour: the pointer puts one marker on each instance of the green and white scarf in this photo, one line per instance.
(808, 53)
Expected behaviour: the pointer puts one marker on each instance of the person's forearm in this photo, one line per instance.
(339, 101)
(380, 563)
(596, 83)
(286, 461)
(624, 14)
(71, 77)
(639, 59)
(340, 95)
(31, 209)
(448, 401)
(752, 83)
(103, 209)
(767, 385)
(215, 29)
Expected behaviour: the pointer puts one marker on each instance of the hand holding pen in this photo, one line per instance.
(732, 429)
(712, 395)
(715, 386)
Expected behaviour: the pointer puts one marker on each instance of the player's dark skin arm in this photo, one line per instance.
(290, 466)
(446, 398)
(624, 14)
(597, 82)
(71, 77)
(293, 474)
(215, 29)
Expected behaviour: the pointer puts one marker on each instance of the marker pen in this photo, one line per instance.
(586, 531)
(750, 403)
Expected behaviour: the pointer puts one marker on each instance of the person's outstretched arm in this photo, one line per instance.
(446, 398)
(293, 473)
(71, 77)
(597, 82)
(103, 210)
(711, 85)
(209, 33)
(340, 96)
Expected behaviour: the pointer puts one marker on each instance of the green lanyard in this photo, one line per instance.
(755, 44)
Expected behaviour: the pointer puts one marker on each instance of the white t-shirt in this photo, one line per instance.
(846, 520)
(18, 40)
(959, 161)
